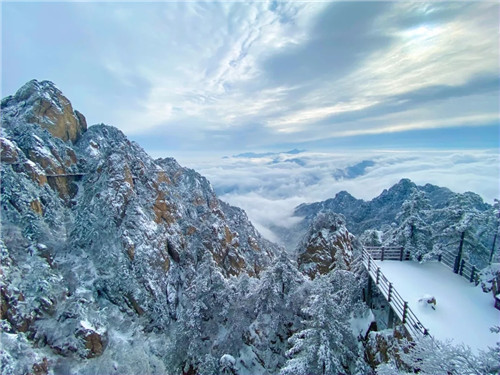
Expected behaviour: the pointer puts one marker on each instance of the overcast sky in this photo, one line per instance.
(217, 77)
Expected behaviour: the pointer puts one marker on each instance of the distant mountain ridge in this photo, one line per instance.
(362, 215)
(295, 151)
(433, 210)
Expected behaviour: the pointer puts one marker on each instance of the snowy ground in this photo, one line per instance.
(462, 313)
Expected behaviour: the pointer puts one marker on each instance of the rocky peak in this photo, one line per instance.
(401, 191)
(44, 104)
(327, 245)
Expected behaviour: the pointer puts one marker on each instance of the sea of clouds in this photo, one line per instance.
(268, 186)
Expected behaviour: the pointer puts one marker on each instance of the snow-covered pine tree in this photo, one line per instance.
(413, 231)
(194, 334)
(371, 237)
(325, 344)
(463, 230)
(431, 356)
(494, 254)
(277, 305)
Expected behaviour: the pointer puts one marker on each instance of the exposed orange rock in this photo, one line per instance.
(128, 176)
(228, 236)
(190, 230)
(58, 117)
(327, 245)
(253, 244)
(199, 201)
(8, 153)
(324, 254)
(46, 163)
(62, 184)
(162, 177)
(36, 206)
(131, 301)
(131, 252)
(34, 173)
(94, 343)
(164, 211)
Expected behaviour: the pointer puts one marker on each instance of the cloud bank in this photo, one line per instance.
(269, 187)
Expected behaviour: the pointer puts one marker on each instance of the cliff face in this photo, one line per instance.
(327, 245)
(95, 232)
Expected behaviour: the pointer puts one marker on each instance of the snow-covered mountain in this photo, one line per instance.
(427, 219)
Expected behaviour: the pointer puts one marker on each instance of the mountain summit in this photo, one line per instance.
(44, 104)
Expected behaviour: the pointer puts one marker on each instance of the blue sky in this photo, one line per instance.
(231, 76)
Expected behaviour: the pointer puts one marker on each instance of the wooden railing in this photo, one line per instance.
(388, 253)
(465, 269)
(396, 302)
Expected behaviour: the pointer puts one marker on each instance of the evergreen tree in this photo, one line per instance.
(325, 344)
(195, 332)
(463, 230)
(413, 231)
(431, 356)
(277, 306)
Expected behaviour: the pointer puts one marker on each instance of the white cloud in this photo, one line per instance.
(269, 188)
(449, 52)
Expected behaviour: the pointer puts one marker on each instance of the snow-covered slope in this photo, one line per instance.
(462, 313)
(100, 241)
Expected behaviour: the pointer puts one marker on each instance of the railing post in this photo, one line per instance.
(472, 273)
(382, 256)
(439, 258)
(462, 264)
(389, 293)
(369, 264)
(405, 308)
(401, 254)
(378, 275)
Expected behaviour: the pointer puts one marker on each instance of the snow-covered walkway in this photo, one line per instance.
(463, 312)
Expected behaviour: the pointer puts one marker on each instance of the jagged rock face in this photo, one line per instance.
(327, 245)
(43, 104)
(115, 230)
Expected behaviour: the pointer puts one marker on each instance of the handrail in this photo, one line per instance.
(465, 269)
(396, 301)
(388, 253)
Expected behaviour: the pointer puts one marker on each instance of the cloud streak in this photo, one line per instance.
(264, 73)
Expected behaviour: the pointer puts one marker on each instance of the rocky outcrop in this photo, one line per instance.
(327, 245)
(44, 104)
(95, 340)
(385, 346)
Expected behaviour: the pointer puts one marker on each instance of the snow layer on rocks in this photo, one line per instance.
(463, 312)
